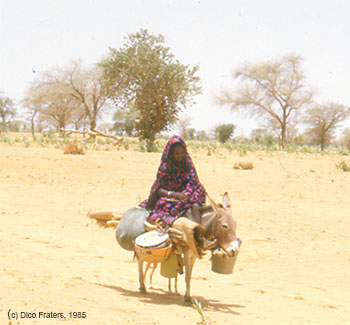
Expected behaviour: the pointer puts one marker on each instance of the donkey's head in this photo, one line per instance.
(223, 227)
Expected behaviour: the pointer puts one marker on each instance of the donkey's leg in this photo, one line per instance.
(151, 275)
(148, 265)
(146, 270)
(190, 258)
(169, 285)
(141, 277)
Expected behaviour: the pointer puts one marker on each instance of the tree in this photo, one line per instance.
(16, 126)
(183, 125)
(49, 103)
(79, 118)
(88, 88)
(202, 136)
(345, 141)
(59, 110)
(274, 127)
(323, 121)
(191, 133)
(124, 122)
(262, 136)
(224, 132)
(34, 106)
(271, 89)
(72, 94)
(147, 79)
(7, 111)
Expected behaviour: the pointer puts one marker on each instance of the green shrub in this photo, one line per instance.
(242, 149)
(126, 144)
(343, 152)
(142, 147)
(6, 140)
(343, 166)
(224, 132)
(100, 141)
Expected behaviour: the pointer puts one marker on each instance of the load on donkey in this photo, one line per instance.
(176, 207)
(217, 226)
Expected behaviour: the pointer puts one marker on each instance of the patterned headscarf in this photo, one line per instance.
(178, 177)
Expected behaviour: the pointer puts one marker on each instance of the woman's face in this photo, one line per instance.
(178, 153)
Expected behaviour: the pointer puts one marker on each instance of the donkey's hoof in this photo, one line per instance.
(188, 301)
(143, 290)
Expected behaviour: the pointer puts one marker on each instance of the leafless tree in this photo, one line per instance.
(273, 89)
(71, 95)
(7, 111)
(88, 88)
(323, 121)
(345, 140)
(59, 111)
(183, 124)
(79, 118)
(49, 103)
(34, 106)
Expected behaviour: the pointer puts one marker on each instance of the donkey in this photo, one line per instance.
(217, 224)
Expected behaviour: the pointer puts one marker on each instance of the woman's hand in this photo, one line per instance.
(180, 196)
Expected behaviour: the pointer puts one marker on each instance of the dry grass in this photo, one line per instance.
(244, 165)
(73, 149)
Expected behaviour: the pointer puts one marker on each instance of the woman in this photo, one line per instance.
(176, 188)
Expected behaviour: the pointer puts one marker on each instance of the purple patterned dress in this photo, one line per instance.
(177, 177)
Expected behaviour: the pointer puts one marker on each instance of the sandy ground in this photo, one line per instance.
(293, 215)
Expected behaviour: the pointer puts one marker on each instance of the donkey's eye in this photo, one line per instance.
(225, 226)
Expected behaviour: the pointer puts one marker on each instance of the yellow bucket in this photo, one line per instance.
(168, 268)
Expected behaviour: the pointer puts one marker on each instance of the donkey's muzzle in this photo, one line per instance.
(233, 248)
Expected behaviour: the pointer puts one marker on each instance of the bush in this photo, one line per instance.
(224, 132)
(343, 166)
(6, 140)
(247, 165)
(73, 149)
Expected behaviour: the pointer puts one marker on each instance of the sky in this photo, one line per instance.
(219, 36)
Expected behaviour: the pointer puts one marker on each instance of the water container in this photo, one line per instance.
(222, 266)
(168, 268)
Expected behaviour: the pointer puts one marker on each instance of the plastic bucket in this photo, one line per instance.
(222, 266)
(168, 268)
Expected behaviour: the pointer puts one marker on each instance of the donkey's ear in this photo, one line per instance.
(213, 204)
(226, 201)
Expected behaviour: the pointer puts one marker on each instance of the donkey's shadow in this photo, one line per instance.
(161, 297)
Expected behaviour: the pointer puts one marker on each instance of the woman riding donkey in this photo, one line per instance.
(177, 191)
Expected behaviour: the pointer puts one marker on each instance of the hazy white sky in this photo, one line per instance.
(218, 35)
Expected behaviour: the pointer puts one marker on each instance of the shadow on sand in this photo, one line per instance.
(161, 297)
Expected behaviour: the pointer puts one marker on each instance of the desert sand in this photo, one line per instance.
(292, 211)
